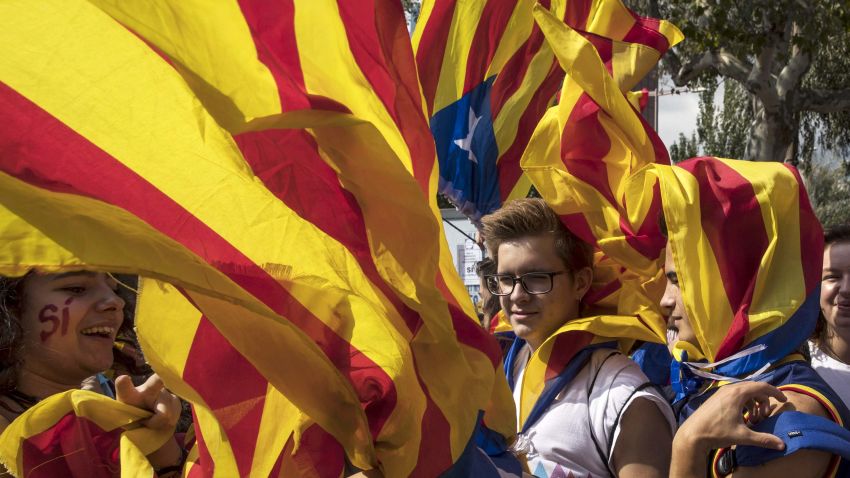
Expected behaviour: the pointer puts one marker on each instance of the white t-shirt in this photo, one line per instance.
(559, 444)
(836, 374)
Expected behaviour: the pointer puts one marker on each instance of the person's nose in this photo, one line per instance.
(668, 300)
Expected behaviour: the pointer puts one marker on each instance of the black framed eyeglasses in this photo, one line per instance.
(534, 283)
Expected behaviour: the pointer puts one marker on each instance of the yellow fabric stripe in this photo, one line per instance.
(279, 416)
(624, 329)
(212, 40)
(337, 75)
(465, 18)
(542, 163)
(516, 32)
(680, 196)
(609, 18)
(780, 285)
(521, 188)
(581, 61)
(136, 92)
(505, 125)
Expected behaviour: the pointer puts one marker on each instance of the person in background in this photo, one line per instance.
(830, 344)
(489, 303)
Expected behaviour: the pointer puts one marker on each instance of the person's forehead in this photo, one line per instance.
(528, 253)
(837, 255)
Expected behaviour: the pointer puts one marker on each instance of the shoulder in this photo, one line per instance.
(611, 370)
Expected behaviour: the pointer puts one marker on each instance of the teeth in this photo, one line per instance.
(102, 330)
(672, 336)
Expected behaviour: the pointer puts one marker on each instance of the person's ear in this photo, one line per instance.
(583, 278)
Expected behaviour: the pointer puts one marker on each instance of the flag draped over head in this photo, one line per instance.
(79, 434)
(488, 76)
(747, 250)
(153, 146)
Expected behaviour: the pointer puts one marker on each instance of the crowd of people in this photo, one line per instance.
(605, 417)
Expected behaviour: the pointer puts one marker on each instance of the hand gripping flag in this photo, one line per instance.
(488, 76)
(80, 434)
(248, 248)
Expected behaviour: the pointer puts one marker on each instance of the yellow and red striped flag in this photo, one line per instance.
(585, 148)
(740, 294)
(80, 434)
(355, 310)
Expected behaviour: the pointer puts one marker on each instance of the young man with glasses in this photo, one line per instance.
(603, 418)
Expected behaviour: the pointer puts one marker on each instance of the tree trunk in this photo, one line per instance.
(773, 135)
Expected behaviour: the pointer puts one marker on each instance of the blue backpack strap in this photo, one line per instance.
(485, 455)
(798, 431)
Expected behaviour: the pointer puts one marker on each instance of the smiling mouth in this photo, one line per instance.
(672, 335)
(104, 332)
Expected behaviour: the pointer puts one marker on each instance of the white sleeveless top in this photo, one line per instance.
(835, 373)
(559, 444)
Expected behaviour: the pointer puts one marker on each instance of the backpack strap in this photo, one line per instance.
(602, 455)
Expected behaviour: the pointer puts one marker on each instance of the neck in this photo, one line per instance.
(40, 386)
(837, 346)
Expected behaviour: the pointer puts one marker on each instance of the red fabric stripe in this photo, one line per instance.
(577, 13)
(432, 48)
(44, 152)
(288, 163)
(645, 32)
(272, 26)
(564, 349)
(509, 167)
(488, 34)
(512, 73)
(594, 296)
(647, 240)
(319, 455)
(578, 225)
(811, 237)
(435, 454)
(74, 446)
(731, 220)
(380, 44)
(468, 331)
(583, 145)
(213, 362)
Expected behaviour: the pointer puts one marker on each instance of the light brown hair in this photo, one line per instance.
(533, 217)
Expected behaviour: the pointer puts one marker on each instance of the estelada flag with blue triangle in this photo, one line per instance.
(488, 76)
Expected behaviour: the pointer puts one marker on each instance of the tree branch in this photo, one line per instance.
(825, 101)
(798, 65)
(723, 61)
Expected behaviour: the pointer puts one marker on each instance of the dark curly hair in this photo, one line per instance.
(11, 332)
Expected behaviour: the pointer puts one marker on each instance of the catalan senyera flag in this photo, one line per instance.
(79, 434)
(114, 162)
(487, 76)
(579, 159)
(741, 293)
(585, 148)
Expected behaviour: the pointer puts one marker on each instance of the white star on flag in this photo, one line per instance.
(466, 143)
